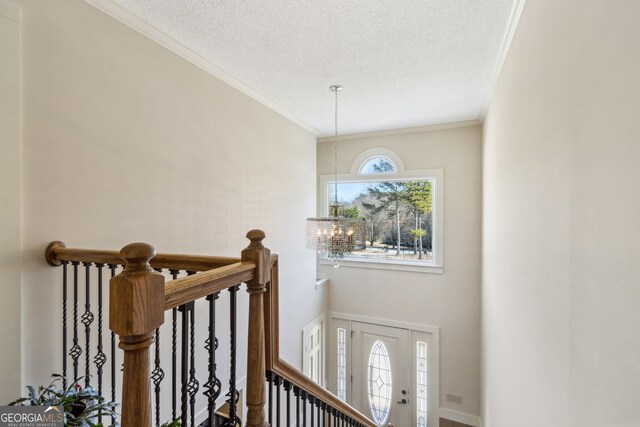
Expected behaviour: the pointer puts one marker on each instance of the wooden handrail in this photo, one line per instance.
(280, 367)
(190, 288)
(57, 252)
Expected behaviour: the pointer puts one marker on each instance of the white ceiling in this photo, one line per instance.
(403, 63)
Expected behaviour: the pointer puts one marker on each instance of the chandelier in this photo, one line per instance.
(334, 236)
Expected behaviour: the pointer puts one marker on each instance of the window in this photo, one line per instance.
(378, 164)
(421, 384)
(342, 364)
(402, 209)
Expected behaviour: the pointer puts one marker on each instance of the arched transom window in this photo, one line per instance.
(378, 164)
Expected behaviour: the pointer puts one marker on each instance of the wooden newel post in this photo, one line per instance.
(257, 253)
(136, 310)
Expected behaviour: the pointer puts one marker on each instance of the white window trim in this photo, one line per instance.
(438, 217)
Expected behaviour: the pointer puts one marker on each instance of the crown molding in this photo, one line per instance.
(134, 22)
(9, 10)
(401, 131)
(514, 19)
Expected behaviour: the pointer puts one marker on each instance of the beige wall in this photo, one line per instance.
(450, 301)
(561, 230)
(9, 202)
(124, 141)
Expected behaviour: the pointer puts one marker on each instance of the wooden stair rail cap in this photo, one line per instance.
(257, 253)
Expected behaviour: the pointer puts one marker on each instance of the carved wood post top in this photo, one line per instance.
(137, 294)
(257, 253)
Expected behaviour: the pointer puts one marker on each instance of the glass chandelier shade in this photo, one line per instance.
(335, 235)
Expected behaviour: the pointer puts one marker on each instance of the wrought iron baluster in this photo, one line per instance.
(278, 382)
(64, 323)
(194, 385)
(157, 375)
(87, 320)
(303, 396)
(112, 268)
(270, 380)
(174, 351)
(233, 392)
(184, 371)
(296, 393)
(100, 358)
(287, 389)
(76, 351)
(311, 402)
(213, 385)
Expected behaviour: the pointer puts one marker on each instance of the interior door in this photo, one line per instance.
(381, 385)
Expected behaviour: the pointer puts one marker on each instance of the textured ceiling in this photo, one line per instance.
(402, 63)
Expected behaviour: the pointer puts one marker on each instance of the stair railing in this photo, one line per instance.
(138, 299)
(314, 405)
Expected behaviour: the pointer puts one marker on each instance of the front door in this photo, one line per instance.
(381, 375)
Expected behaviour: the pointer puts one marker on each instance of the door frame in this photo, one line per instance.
(430, 333)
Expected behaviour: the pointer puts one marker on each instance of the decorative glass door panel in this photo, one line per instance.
(380, 382)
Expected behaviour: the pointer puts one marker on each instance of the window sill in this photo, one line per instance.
(381, 265)
(321, 280)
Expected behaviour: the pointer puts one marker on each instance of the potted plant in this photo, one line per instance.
(82, 405)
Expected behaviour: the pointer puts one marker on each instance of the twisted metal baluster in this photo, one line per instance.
(233, 394)
(112, 268)
(184, 365)
(213, 385)
(64, 324)
(194, 385)
(174, 350)
(76, 351)
(157, 375)
(87, 320)
(100, 358)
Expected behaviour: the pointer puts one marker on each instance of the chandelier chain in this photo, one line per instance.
(335, 150)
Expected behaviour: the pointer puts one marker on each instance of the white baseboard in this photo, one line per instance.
(460, 417)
